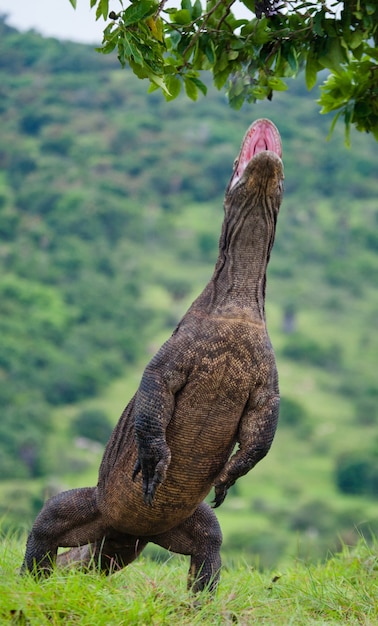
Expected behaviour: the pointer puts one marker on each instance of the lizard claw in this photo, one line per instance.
(153, 465)
(137, 469)
(220, 494)
(151, 480)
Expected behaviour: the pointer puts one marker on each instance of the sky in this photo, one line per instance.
(57, 18)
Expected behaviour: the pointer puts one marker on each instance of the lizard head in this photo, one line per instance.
(258, 169)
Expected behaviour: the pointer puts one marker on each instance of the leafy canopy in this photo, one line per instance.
(253, 57)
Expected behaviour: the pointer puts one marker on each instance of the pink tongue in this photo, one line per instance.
(260, 145)
(261, 135)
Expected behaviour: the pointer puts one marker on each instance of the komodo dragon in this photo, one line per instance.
(211, 386)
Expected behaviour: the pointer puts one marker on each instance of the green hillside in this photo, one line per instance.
(110, 212)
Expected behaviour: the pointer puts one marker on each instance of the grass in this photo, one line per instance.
(341, 591)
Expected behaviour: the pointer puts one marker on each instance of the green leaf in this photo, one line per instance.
(187, 5)
(236, 102)
(131, 49)
(174, 38)
(375, 132)
(333, 124)
(232, 55)
(182, 16)
(237, 87)
(153, 87)
(108, 46)
(292, 59)
(238, 43)
(199, 84)
(250, 4)
(196, 56)
(138, 70)
(261, 32)
(347, 135)
(174, 86)
(190, 88)
(102, 9)
(73, 2)
(220, 77)
(311, 71)
(317, 23)
(260, 92)
(93, 2)
(277, 84)
(159, 81)
(334, 56)
(138, 11)
(209, 50)
(356, 38)
(358, 52)
(197, 10)
(222, 62)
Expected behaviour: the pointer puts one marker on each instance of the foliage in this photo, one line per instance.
(253, 56)
(92, 424)
(341, 591)
(18, 508)
(63, 337)
(292, 413)
(366, 408)
(304, 349)
(357, 472)
(25, 428)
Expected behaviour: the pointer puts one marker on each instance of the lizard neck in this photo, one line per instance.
(239, 277)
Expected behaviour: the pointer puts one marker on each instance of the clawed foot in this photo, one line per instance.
(220, 491)
(220, 494)
(153, 464)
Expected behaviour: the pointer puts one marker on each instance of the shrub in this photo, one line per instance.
(292, 413)
(302, 348)
(366, 408)
(24, 427)
(262, 546)
(316, 516)
(357, 472)
(93, 424)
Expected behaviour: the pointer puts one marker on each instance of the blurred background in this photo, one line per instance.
(110, 213)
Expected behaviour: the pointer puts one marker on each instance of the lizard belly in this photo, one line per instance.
(201, 436)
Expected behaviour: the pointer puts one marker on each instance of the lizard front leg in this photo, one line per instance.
(153, 410)
(256, 432)
(154, 407)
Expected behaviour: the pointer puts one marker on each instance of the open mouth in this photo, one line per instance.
(261, 135)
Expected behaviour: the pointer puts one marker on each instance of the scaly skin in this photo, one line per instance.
(211, 386)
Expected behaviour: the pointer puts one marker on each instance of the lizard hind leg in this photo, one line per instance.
(108, 556)
(200, 537)
(71, 518)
